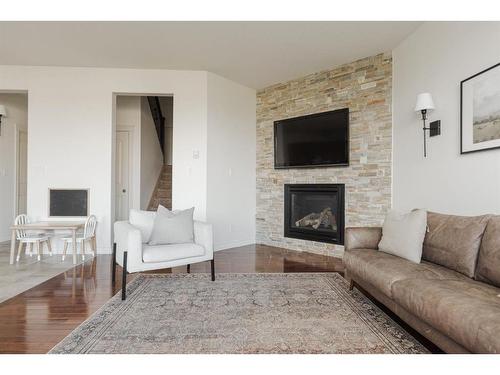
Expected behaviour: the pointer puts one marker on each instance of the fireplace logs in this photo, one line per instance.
(325, 218)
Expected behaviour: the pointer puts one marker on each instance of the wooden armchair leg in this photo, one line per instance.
(39, 250)
(212, 267)
(82, 248)
(113, 266)
(93, 243)
(19, 250)
(65, 249)
(49, 247)
(124, 277)
(188, 268)
(351, 284)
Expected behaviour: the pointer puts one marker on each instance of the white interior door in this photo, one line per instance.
(122, 175)
(22, 172)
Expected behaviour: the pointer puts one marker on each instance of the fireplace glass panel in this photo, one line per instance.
(315, 212)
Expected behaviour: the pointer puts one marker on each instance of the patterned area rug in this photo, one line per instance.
(240, 313)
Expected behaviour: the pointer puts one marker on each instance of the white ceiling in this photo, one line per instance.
(256, 54)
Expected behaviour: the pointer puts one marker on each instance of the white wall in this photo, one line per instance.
(17, 118)
(231, 193)
(128, 118)
(435, 59)
(167, 109)
(71, 133)
(151, 154)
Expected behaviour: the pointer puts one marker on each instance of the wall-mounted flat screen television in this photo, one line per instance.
(318, 140)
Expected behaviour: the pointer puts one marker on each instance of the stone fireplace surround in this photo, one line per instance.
(363, 86)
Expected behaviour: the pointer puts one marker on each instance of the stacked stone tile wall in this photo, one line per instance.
(363, 86)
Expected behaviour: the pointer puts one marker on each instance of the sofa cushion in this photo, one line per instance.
(453, 241)
(167, 253)
(382, 270)
(465, 310)
(144, 221)
(488, 264)
(403, 234)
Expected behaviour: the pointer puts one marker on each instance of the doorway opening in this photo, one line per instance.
(13, 159)
(143, 153)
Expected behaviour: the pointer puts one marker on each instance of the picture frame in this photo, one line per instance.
(480, 111)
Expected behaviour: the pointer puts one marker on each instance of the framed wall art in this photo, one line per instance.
(480, 111)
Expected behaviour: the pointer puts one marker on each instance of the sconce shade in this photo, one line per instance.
(424, 102)
(3, 110)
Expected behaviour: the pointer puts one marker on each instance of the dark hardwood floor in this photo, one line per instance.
(36, 320)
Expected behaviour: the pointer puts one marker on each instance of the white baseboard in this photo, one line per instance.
(231, 244)
(104, 250)
(338, 253)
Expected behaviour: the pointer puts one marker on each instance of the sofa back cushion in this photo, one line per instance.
(144, 221)
(488, 264)
(453, 241)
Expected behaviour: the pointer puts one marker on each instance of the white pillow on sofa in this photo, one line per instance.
(144, 221)
(403, 234)
(171, 227)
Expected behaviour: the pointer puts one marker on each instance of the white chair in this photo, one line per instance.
(87, 237)
(132, 252)
(29, 238)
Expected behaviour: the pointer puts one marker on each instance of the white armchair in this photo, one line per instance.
(132, 252)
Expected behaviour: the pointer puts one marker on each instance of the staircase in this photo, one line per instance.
(162, 193)
(163, 190)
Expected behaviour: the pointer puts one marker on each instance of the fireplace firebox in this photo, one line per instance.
(315, 212)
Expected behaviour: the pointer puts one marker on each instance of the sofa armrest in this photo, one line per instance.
(128, 238)
(362, 238)
(203, 235)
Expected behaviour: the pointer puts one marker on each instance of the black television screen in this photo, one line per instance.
(321, 139)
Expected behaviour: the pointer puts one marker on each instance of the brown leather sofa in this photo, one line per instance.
(453, 296)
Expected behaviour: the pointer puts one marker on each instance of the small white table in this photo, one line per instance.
(72, 226)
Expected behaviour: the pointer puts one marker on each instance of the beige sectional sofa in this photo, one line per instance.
(453, 296)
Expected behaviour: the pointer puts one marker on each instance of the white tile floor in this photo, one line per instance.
(29, 272)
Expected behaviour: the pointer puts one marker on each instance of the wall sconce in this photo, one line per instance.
(424, 104)
(3, 113)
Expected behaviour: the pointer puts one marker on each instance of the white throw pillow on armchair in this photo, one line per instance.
(172, 227)
(403, 234)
